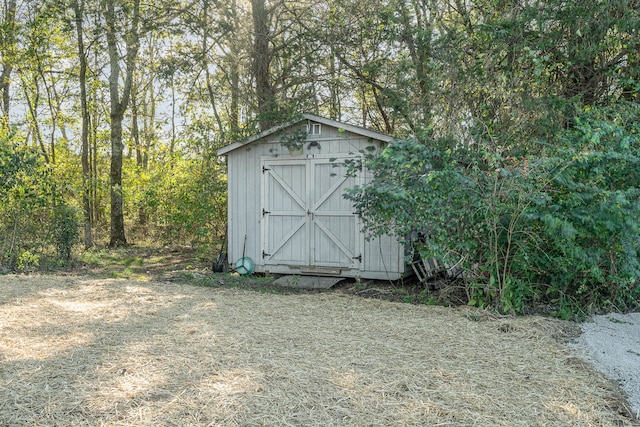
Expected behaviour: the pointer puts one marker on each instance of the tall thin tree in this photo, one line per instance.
(118, 105)
(78, 8)
(267, 106)
(7, 51)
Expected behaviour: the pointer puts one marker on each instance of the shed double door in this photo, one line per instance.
(306, 221)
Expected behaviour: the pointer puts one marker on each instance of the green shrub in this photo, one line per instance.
(25, 191)
(65, 233)
(27, 261)
(558, 227)
(591, 220)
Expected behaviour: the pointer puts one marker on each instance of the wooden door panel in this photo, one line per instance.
(334, 225)
(306, 220)
(334, 242)
(284, 223)
(287, 235)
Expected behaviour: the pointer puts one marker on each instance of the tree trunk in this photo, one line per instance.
(32, 106)
(93, 151)
(135, 128)
(135, 134)
(118, 107)
(149, 112)
(172, 143)
(115, 179)
(334, 88)
(7, 51)
(148, 125)
(54, 110)
(418, 42)
(205, 65)
(234, 116)
(78, 7)
(265, 96)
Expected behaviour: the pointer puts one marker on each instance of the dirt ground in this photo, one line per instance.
(89, 350)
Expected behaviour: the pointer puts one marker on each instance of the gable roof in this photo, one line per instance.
(306, 116)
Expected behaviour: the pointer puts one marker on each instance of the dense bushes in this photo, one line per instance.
(558, 228)
(26, 196)
(181, 200)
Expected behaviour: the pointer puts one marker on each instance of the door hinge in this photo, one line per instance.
(264, 169)
(264, 254)
(264, 212)
(359, 258)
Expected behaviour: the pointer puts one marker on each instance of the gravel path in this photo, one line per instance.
(612, 344)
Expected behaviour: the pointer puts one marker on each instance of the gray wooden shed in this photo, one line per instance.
(287, 212)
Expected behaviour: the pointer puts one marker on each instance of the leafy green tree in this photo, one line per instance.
(518, 72)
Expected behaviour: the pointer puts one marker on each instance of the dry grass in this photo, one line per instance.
(80, 352)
